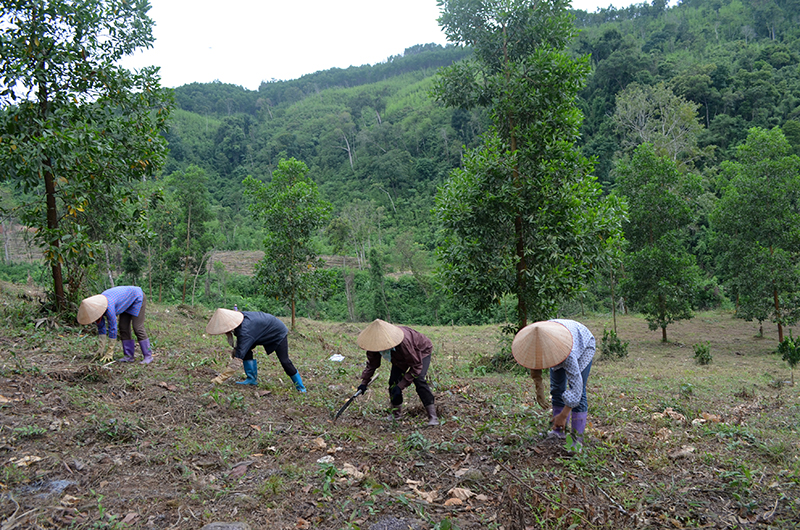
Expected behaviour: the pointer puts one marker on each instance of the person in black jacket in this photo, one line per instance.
(251, 329)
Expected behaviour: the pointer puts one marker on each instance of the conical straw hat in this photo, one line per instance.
(379, 336)
(223, 321)
(542, 345)
(92, 308)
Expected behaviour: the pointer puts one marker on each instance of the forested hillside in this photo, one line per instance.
(691, 80)
(371, 133)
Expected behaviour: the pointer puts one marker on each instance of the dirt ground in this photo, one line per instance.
(85, 445)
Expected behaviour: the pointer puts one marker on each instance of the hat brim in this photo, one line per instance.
(92, 308)
(379, 336)
(542, 345)
(223, 321)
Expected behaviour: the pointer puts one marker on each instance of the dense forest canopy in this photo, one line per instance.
(378, 146)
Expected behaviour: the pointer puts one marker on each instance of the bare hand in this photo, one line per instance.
(560, 421)
(541, 396)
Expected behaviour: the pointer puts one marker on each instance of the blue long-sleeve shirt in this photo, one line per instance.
(583, 348)
(123, 299)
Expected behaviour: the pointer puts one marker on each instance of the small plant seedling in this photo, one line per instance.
(790, 352)
(30, 431)
(702, 353)
(612, 347)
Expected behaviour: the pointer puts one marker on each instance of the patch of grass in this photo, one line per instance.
(118, 431)
(272, 487)
(14, 475)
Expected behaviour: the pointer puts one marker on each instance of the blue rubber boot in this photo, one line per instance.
(251, 371)
(298, 383)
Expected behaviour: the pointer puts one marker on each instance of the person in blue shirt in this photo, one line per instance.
(251, 329)
(126, 304)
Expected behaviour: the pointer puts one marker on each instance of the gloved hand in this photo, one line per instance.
(103, 342)
(396, 395)
(541, 398)
(224, 376)
(362, 388)
(109, 355)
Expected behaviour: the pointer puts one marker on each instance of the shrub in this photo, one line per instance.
(612, 347)
(790, 352)
(702, 353)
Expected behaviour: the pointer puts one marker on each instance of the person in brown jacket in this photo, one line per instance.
(409, 353)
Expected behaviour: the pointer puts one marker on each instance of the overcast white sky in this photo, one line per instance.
(244, 42)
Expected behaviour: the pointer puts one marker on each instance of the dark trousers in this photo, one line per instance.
(281, 349)
(126, 320)
(422, 386)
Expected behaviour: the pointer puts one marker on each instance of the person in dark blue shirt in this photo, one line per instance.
(251, 329)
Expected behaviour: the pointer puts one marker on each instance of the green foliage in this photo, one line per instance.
(789, 349)
(292, 211)
(29, 431)
(702, 353)
(115, 430)
(661, 273)
(756, 223)
(329, 474)
(20, 272)
(654, 115)
(446, 524)
(416, 441)
(498, 215)
(612, 347)
(78, 132)
(190, 238)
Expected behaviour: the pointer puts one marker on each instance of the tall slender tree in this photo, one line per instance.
(523, 216)
(77, 130)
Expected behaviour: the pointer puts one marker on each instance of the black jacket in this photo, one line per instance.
(257, 329)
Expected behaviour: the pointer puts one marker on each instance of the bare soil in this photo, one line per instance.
(85, 445)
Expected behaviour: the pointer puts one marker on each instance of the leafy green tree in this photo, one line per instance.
(654, 115)
(77, 130)
(523, 216)
(292, 212)
(192, 239)
(661, 274)
(756, 221)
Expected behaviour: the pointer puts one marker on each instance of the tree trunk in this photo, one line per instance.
(5, 242)
(348, 291)
(200, 268)
(52, 224)
(778, 314)
(108, 267)
(293, 311)
(613, 304)
(186, 258)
